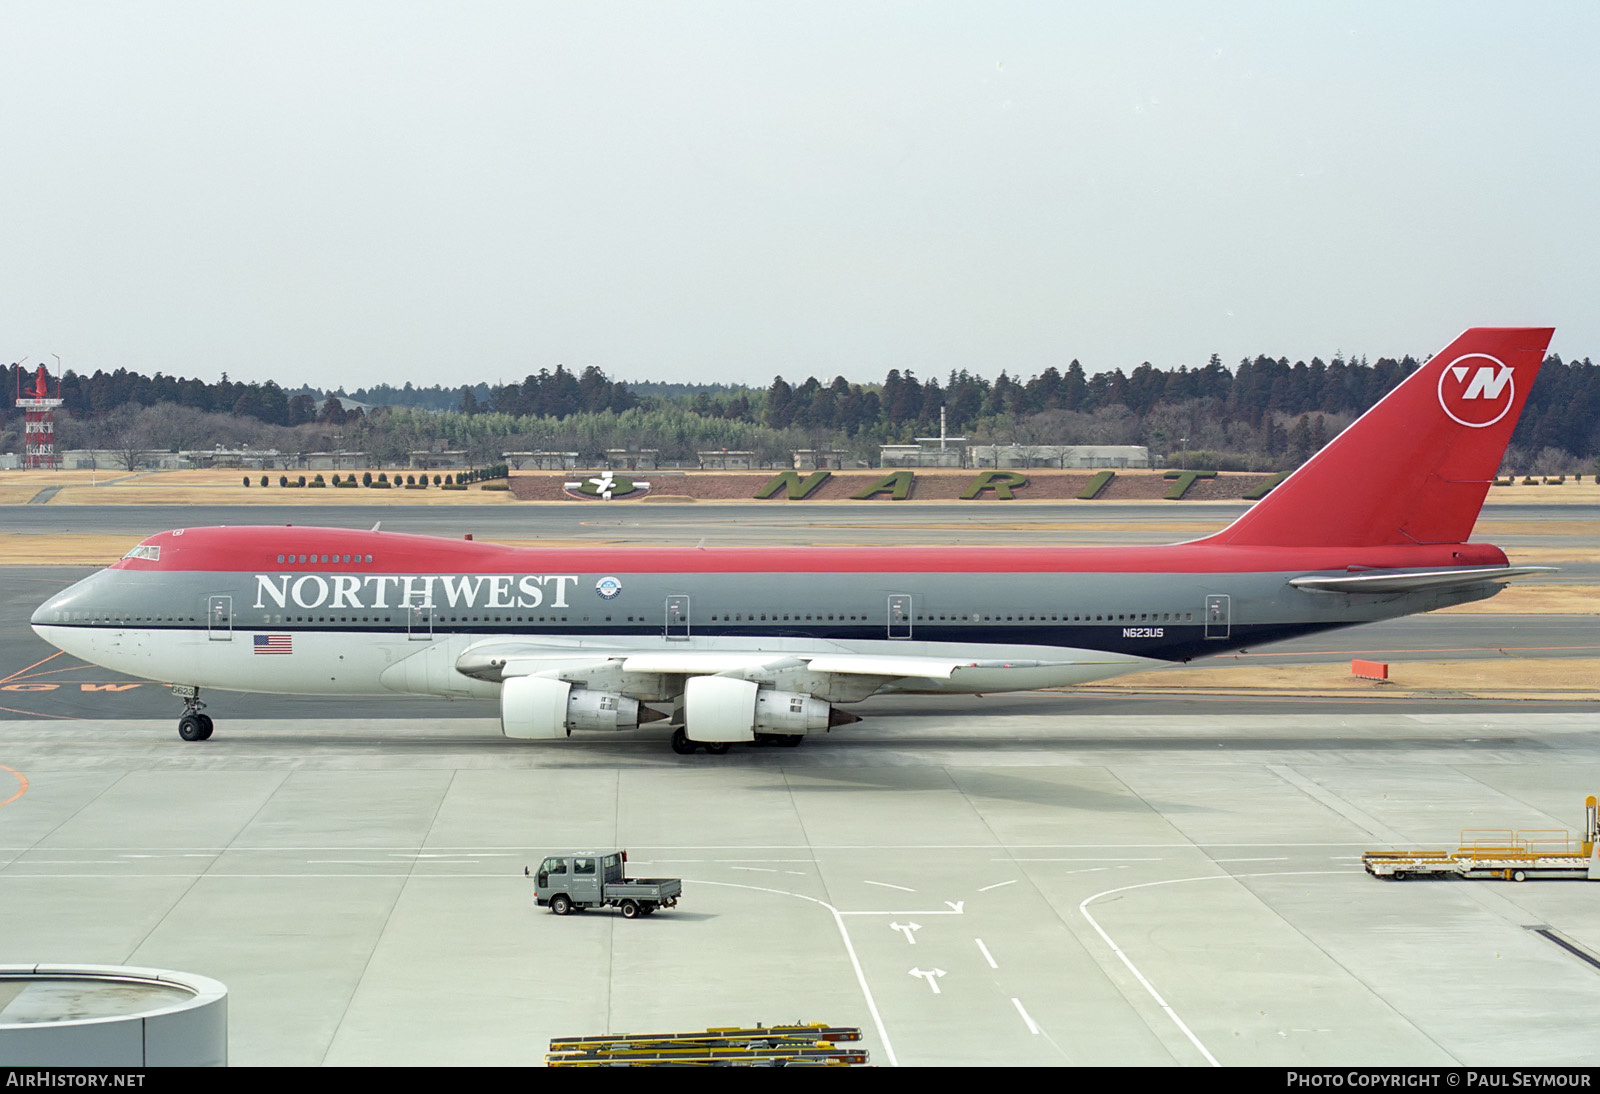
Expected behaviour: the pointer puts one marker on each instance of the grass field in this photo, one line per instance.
(168, 494)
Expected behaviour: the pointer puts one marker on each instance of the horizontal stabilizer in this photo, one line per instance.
(1411, 581)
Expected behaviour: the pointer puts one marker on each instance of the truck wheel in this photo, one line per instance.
(560, 904)
(646, 909)
(681, 743)
(718, 748)
(630, 909)
(1518, 875)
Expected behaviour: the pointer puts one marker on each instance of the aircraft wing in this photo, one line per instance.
(802, 669)
(1411, 581)
(701, 662)
(505, 659)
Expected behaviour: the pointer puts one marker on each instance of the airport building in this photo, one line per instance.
(1118, 457)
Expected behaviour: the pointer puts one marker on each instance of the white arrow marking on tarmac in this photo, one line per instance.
(930, 976)
(955, 905)
(908, 928)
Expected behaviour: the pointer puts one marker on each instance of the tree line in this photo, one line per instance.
(1264, 414)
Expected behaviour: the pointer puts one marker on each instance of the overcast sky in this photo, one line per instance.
(352, 193)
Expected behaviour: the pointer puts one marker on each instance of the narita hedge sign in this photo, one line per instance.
(895, 487)
(1000, 485)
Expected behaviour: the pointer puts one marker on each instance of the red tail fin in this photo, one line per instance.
(1415, 468)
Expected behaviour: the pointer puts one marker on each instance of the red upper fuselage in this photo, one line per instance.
(259, 548)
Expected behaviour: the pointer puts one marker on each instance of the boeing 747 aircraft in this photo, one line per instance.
(733, 644)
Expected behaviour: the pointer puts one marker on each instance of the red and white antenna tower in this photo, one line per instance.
(39, 428)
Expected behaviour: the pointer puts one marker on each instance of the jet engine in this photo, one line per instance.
(721, 708)
(539, 707)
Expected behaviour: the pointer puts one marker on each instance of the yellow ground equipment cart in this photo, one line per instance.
(759, 1046)
(1502, 854)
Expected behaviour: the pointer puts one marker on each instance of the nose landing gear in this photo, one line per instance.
(193, 726)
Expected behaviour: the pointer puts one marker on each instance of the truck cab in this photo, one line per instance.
(581, 877)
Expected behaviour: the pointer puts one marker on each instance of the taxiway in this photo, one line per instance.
(1022, 879)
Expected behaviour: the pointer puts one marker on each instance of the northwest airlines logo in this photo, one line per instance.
(1477, 390)
(414, 590)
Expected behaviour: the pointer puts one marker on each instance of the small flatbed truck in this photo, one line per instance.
(564, 883)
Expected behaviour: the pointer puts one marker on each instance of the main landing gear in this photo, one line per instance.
(683, 746)
(193, 726)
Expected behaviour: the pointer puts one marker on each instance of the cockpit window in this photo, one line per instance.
(149, 551)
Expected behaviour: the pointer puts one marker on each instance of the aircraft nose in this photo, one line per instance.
(59, 608)
(49, 611)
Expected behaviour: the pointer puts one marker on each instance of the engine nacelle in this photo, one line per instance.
(720, 709)
(790, 712)
(537, 707)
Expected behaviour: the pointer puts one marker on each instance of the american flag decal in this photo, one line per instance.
(274, 643)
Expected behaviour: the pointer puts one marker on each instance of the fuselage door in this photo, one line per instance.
(677, 616)
(419, 621)
(1217, 621)
(900, 615)
(219, 618)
